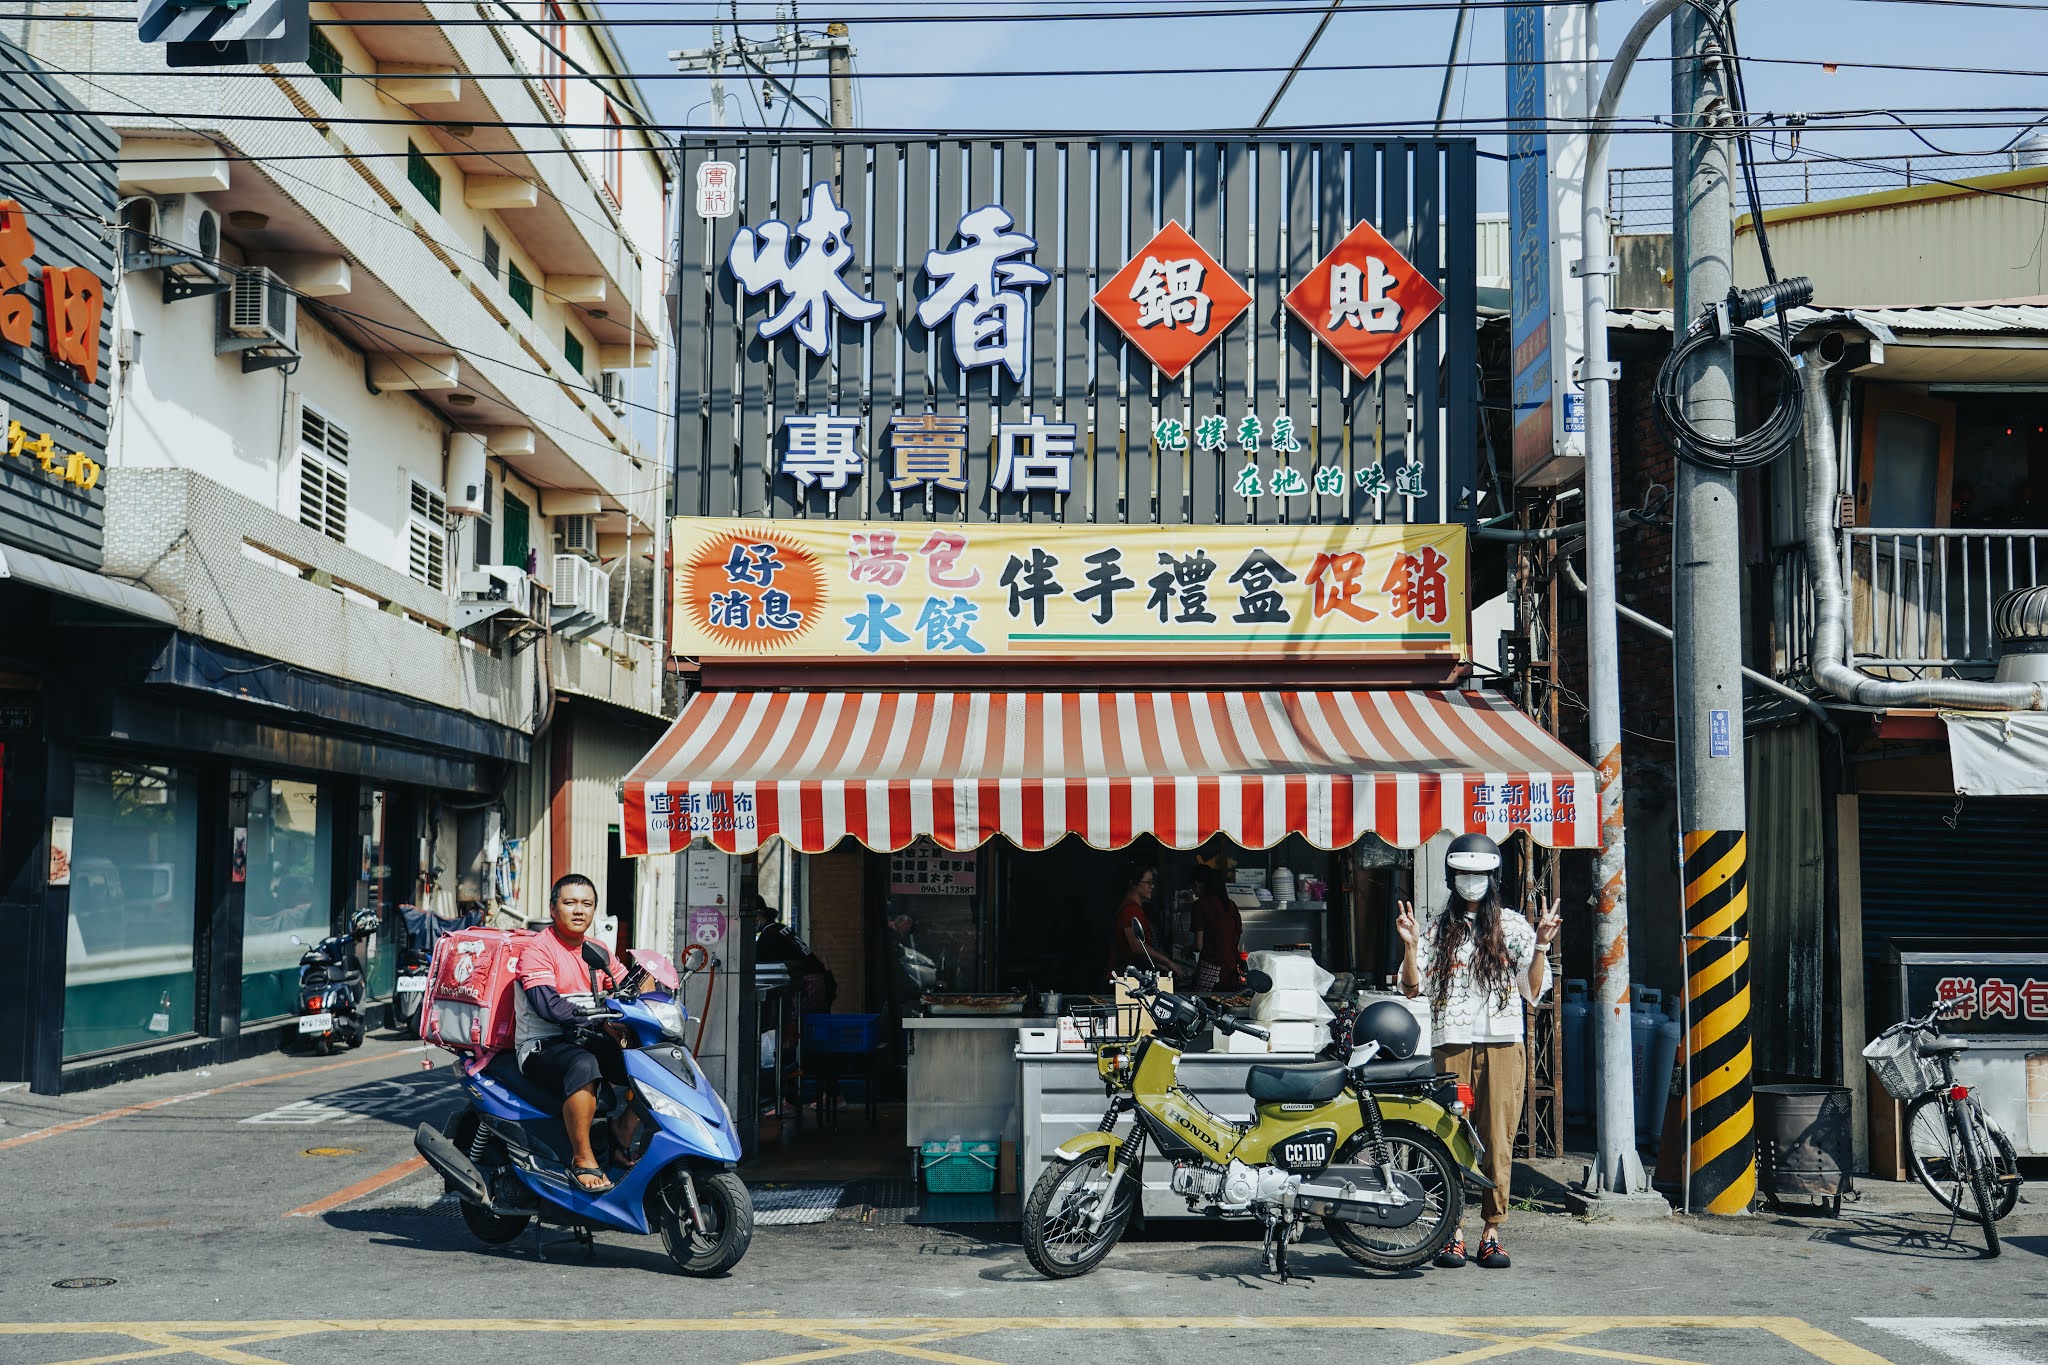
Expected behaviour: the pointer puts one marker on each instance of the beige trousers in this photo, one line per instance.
(1499, 1075)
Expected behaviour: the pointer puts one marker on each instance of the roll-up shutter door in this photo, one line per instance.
(1985, 877)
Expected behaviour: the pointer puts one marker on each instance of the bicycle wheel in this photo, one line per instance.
(1971, 1123)
(1935, 1150)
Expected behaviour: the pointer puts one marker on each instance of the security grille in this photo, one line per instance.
(323, 474)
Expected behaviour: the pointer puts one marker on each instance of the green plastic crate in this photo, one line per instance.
(960, 1167)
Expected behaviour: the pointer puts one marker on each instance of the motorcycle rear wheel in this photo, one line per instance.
(1423, 1155)
(728, 1216)
(492, 1229)
(1055, 1238)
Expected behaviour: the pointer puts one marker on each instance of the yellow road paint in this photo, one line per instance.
(911, 1338)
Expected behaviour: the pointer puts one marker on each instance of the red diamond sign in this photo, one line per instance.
(1363, 299)
(1172, 299)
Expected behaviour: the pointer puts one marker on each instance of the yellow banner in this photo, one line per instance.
(856, 590)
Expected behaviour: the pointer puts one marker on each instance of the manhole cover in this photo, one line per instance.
(330, 1151)
(83, 1282)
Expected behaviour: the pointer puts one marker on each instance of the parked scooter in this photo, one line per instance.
(506, 1153)
(423, 930)
(1373, 1148)
(331, 987)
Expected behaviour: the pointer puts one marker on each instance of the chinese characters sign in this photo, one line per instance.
(1364, 299)
(1020, 590)
(1986, 997)
(1172, 300)
(925, 869)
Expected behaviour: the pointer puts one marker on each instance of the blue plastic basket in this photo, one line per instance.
(960, 1167)
(854, 1033)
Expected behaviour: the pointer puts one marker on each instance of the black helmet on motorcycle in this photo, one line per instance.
(364, 922)
(1392, 1025)
(1472, 866)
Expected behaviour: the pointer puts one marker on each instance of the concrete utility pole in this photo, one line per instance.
(748, 56)
(1619, 1179)
(839, 60)
(1706, 619)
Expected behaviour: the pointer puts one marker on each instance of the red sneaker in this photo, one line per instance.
(1453, 1254)
(1491, 1257)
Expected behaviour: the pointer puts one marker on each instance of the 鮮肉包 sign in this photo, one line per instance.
(861, 590)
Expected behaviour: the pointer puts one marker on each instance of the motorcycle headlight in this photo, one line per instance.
(669, 1014)
(687, 1123)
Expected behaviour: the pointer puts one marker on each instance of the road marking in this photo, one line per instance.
(1958, 1339)
(388, 1098)
(841, 1338)
(367, 1185)
(58, 1129)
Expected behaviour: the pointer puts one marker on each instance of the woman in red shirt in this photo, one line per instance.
(1126, 948)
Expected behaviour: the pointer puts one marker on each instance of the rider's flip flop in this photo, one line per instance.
(577, 1172)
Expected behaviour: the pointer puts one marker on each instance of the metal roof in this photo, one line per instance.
(2026, 317)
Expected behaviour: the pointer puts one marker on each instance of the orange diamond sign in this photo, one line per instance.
(1364, 299)
(1172, 299)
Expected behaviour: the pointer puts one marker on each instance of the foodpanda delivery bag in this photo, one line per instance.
(469, 1003)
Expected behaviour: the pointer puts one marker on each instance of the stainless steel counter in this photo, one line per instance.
(964, 1080)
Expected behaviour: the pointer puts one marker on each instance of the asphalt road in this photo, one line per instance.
(262, 1213)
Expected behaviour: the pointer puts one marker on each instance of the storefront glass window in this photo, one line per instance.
(134, 875)
(286, 865)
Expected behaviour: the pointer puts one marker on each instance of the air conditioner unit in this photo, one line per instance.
(582, 597)
(611, 387)
(184, 243)
(498, 583)
(259, 318)
(578, 531)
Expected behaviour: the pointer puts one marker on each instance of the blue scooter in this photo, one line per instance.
(505, 1154)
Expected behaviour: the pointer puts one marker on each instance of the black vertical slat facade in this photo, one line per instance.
(1267, 209)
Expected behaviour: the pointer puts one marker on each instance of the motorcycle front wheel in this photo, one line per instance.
(1057, 1236)
(1422, 1154)
(716, 1245)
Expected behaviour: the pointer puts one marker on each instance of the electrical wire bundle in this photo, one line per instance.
(1727, 320)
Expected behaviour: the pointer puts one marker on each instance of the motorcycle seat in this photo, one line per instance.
(505, 1071)
(1308, 1083)
(1396, 1070)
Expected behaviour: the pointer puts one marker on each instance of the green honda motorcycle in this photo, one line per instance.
(1376, 1149)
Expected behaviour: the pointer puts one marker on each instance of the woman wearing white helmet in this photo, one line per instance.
(1478, 966)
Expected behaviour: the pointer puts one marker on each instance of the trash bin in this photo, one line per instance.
(1802, 1142)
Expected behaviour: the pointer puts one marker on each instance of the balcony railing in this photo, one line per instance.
(1921, 600)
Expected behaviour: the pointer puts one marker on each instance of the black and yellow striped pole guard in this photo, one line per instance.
(1721, 1128)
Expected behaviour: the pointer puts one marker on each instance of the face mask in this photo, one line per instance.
(1471, 886)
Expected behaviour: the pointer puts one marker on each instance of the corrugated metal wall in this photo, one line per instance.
(1268, 210)
(1788, 906)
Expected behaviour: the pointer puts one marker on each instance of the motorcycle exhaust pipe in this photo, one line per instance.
(1357, 1194)
(450, 1160)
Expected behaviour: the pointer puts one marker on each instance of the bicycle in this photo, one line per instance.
(1945, 1121)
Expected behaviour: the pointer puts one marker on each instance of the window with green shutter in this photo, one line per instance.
(324, 58)
(519, 287)
(572, 348)
(422, 174)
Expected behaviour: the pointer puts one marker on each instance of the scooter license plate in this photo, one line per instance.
(412, 983)
(317, 1023)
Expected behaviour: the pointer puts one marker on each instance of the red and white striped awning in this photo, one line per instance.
(1033, 767)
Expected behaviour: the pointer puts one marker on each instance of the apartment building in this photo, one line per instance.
(385, 344)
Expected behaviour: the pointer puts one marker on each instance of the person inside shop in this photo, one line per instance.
(1133, 941)
(1219, 933)
(558, 1041)
(1479, 963)
(777, 942)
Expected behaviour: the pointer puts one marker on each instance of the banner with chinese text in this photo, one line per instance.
(853, 590)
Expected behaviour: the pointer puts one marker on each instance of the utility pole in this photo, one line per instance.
(839, 58)
(753, 57)
(1706, 618)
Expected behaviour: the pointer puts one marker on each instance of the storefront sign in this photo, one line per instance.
(707, 925)
(862, 590)
(2006, 998)
(925, 869)
(1069, 326)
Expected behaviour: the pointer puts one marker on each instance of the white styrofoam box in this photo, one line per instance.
(1296, 1035)
(1040, 1040)
(1240, 1042)
(1291, 969)
(1291, 1004)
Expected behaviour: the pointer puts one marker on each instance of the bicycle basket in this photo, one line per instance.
(1106, 1024)
(1896, 1060)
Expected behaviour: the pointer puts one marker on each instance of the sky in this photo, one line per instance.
(1197, 97)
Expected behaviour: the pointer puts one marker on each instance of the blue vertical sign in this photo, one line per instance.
(1529, 236)
(1719, 742)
